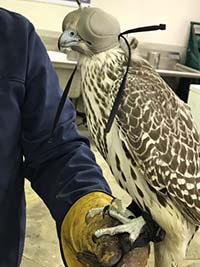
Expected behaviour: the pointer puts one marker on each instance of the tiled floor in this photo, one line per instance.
(42, 249)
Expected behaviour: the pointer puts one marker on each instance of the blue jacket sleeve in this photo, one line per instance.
(65, 169)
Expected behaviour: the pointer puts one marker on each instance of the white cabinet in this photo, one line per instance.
(64, 68)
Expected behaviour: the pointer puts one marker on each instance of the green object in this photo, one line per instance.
(193, 49)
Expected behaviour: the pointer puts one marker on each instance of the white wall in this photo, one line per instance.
(131, 13)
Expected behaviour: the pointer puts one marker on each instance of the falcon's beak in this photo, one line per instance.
(69, 38)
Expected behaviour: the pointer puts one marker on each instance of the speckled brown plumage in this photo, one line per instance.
(160, 132)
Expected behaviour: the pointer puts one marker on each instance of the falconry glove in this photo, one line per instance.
(82, 249)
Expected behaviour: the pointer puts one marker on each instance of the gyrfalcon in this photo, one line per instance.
(153, 146)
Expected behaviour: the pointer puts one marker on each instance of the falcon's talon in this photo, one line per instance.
(93, 212)
(119, 209)
(133, 227)
(118, 216)
(94, 238)
(121, 214)
(105, 210)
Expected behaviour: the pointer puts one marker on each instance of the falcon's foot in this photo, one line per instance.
(129, 224)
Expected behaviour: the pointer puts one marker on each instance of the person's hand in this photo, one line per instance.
(82, 249)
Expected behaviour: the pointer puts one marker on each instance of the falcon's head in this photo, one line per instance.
(89, 31)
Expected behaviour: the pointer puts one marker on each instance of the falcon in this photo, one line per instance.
(152, 145)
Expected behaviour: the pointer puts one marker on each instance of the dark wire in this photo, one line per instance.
(62, 102)
(121, 89)
(146, 29)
